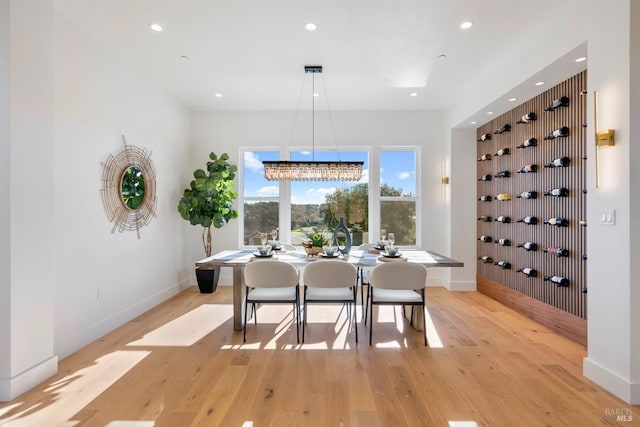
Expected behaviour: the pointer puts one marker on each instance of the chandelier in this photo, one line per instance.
(286, 170)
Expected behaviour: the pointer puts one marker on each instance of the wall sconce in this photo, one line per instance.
(604, 138)
(444, 180)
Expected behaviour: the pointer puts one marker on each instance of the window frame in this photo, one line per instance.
(284, 200)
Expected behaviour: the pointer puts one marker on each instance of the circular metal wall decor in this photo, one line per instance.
(129, 188)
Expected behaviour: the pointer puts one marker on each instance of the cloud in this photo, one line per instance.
(269, 191)
(322, 191)
(403, 175)
(252, 162)
(364, 179)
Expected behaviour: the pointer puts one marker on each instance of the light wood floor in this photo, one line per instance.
(181, 364)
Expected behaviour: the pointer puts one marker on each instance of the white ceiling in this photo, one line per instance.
(375, 53)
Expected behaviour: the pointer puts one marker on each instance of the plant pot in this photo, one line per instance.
(207, 280)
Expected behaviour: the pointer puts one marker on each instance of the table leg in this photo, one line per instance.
(238, 299)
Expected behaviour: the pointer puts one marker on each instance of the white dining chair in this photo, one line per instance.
(271, 282)
(330, 282)
(398, 283)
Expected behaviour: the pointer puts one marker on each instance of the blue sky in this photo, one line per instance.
(396, 167)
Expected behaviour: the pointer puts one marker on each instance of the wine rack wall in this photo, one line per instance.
(505, 131)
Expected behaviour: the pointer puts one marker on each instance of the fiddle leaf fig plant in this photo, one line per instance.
(209, 199)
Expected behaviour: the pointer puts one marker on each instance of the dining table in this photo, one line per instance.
(237, 259)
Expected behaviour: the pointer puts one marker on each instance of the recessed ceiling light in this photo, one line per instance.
(466, 25)
(218, 95)
(184, 57)
(442, 56)
(489, 112)
(310, 26)
(539, 83)
(581, 59)
(316, 94)
(473, 122)
(156, 27)
(413, 94)
(512, 99)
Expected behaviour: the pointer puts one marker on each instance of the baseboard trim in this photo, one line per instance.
(462, 286)
(72, 344)
(610, 381)
(11, 388)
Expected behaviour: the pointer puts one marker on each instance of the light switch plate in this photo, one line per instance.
(608, 217)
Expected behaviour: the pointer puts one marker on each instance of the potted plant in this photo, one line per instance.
(209, 202)
(315, 244)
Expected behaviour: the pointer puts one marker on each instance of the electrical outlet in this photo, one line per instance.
(608, 217)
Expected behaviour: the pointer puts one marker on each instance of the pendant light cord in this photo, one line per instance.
(313, 118)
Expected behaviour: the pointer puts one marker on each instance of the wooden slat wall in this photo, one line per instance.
(572, 299)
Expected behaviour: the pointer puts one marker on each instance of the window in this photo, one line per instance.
(398, 200)
(261, 198)
(316, 206)
(300, 209)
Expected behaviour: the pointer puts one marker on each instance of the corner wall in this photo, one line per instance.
(5, 219)
(612, 304)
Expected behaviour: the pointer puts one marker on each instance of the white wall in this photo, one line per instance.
(5, 223)
(634, 159)
(461, 227)
(104, 279)
(71, 280)
(613, 345)
(31, 200)
(227, 131)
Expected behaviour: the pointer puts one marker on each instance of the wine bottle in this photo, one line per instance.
(558, 133)
(486, 177)
(558, 280)
(503, 264)
(559, 252)
(584, 257)
(557, 192)
(503, 129)
(485, 137)
(503, 151)
(528, 169)
(504, 219)
(486, 259)
(503, 242)
(503, 174)
(529, 117)
(528, 195)
(485, 157)
(486, 198)
(560, 162)
(503, 197)
(531, 142)
(486, 239)
(560, 102)
(558, 222)
(484, 218)
(531, 220)
(530, 272)
(528, 246)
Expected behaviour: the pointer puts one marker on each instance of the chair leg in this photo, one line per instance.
(254, 312)
(304, 318)
(354, 323)
(424, 325)
(244, 326)
(370, 304)
(296, 309)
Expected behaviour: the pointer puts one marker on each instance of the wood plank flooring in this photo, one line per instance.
(181, 364)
